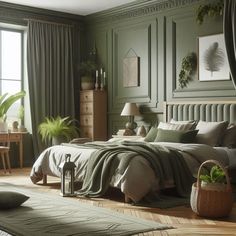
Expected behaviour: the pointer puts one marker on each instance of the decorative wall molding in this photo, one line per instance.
(138, 10)
(146, 92)
(17, 14)
(176, 25)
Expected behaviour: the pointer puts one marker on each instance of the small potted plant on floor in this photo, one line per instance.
(58, 130)
(87, 72)
(211, 195)
(214, 180)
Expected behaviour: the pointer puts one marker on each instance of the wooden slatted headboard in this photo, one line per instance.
(200, 110)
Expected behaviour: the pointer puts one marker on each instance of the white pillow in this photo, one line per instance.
(170, 126)
(210, 133)
(191, 123)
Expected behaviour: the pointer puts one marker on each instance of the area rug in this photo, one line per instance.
(47, 214)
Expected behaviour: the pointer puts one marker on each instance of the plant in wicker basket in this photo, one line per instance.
(214, 180)
(212, 202)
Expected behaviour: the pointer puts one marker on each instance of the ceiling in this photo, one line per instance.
(79, 7)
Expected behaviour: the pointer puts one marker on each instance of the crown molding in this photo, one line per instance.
(138, 9)
(15, 13)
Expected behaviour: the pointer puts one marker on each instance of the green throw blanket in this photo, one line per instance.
(107, 159)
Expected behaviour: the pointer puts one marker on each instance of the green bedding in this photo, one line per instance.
(110, 158)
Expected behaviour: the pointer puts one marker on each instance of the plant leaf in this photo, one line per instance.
(5, 103)
(213, 58)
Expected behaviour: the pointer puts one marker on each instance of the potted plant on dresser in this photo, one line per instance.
(87, 73)
(58, 130)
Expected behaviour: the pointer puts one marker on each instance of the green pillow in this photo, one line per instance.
(10, 200)
(176, 136)
(151, 135)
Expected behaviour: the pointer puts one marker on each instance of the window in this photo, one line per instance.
(11, 54)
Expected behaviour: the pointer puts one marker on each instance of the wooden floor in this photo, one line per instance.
(184, 221)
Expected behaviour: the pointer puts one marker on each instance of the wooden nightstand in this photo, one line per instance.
(126, 136)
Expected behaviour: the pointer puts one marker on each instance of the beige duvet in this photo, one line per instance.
(138, 179)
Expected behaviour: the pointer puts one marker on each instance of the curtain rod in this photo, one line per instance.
(47, 22)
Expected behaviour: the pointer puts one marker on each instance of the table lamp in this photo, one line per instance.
(131, 110)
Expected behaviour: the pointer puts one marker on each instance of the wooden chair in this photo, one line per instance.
(4, 153)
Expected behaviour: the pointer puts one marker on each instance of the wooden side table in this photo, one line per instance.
(14, 137)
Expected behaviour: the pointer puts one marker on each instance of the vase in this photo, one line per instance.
(3, 127)
(87, 83)
(58, 140)
(141, 131)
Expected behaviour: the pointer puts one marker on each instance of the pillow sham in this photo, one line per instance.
(176, 136)
(210, 133)
(229, 138)
(170, 126)
(10, 199)
(151, 135)
(191, 123)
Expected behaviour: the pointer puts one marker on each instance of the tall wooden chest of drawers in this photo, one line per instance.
(93, 114)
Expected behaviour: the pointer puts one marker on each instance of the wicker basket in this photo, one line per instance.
(211, 203)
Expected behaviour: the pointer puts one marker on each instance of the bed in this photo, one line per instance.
(138, 176)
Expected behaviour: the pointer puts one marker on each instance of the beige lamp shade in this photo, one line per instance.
(130, 109)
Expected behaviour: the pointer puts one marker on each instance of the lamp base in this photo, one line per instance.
(131, 125)
(129, 132)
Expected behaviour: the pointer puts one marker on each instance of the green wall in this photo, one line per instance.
(161, 33)
(17, 15)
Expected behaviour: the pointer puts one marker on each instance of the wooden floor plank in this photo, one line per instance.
(184, 221)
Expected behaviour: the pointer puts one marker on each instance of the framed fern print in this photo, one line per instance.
(212, 58)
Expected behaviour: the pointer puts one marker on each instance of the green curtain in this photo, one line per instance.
(50, 73)
(230, 35)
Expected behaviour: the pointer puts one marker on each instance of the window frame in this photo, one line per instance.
(21, 62)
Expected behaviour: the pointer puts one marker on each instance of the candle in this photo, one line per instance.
(101, 71)
(96, 73)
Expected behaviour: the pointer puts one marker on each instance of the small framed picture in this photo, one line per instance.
(212, 58)
(131, 72)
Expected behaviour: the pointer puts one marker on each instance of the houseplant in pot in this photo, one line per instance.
(211, 194)
(87, 70)
(5, 104)
(57, 130)
(214, 180)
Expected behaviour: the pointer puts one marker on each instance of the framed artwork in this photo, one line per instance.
(212, 58)
(131, 71)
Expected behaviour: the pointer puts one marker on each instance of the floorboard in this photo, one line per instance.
(182, 218)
